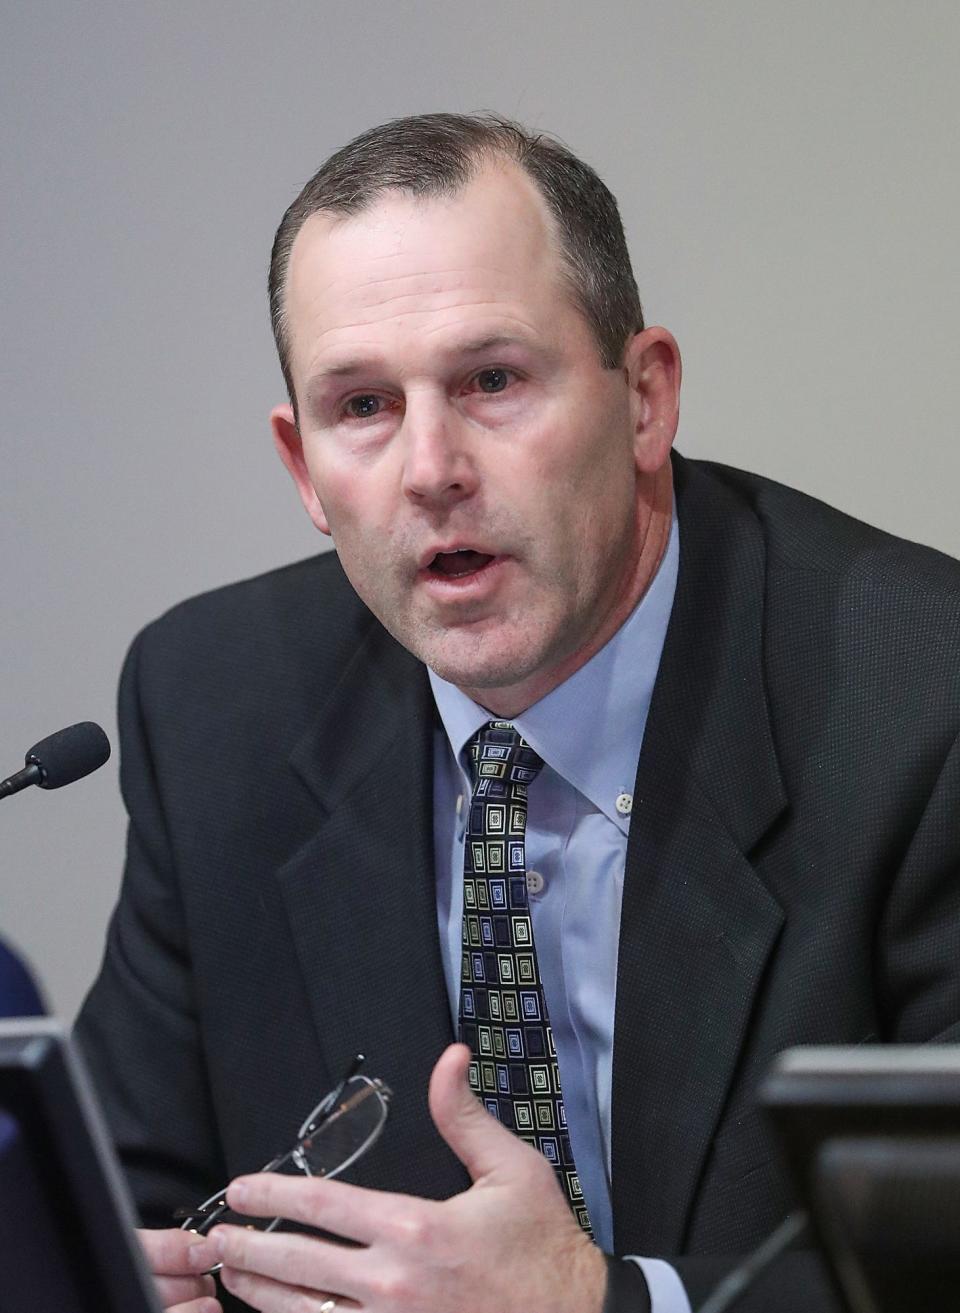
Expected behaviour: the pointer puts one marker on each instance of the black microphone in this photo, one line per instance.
(60, 759)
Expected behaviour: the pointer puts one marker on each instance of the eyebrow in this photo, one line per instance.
(472, 347)
(317, 383)
(493, 342)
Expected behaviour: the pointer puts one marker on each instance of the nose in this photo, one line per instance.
(438, 467)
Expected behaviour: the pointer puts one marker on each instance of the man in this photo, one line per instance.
(728, 717)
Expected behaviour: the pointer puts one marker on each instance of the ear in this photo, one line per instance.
(289, 444)
(652, 367)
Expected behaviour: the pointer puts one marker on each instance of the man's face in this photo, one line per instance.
(488, 484)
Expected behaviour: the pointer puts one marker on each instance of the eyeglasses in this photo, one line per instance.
(342, 1127)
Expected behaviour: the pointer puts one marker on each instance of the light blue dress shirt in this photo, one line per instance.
(588, 732)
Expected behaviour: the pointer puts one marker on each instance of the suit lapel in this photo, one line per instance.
(360, 897)
(697, 923)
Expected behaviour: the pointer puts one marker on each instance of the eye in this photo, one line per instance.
(492, 380)
(364, 407)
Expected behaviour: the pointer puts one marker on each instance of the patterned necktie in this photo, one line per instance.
(503, 1012)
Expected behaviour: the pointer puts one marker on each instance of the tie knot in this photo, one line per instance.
(498, 753)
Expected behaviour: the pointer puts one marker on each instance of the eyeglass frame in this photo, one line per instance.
(213, 1208)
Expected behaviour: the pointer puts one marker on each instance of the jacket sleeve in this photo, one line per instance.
(797, 1282)
(138, 1027)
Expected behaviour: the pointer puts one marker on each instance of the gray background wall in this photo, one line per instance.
(788, 174)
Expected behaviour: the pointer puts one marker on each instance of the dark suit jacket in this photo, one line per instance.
(792, 870)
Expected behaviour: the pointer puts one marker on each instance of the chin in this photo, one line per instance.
(500, 669)
(497, 653)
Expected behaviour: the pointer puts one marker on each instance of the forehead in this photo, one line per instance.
(484, 260)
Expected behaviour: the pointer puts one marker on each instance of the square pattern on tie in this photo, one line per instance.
(503, 1012)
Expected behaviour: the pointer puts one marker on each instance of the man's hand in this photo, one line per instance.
(180, 1289)
(509, 1244)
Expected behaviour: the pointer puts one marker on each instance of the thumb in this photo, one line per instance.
(479, 1141)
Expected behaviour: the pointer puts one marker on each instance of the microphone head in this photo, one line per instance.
(69, 754)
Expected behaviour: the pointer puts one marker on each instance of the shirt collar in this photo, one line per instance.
(605, 702)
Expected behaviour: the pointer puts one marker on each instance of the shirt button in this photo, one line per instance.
(624, 803)
(535, 882)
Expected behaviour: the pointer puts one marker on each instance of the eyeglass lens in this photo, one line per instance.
(342, 1136)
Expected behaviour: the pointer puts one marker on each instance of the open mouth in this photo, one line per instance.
(459, 564)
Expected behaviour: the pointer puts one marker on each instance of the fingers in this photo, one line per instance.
(294, 1260)
(168, 1251)
(478, 1140)
(180, 1288)
(204, 1305)
(174, 1291)
(343, 1210)
(273, 1297)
